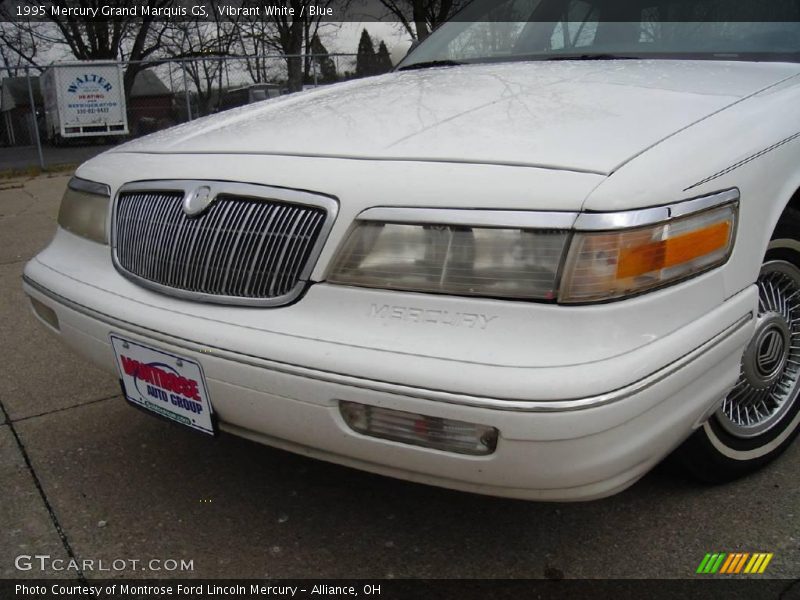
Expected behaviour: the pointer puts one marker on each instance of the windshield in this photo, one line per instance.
(492, 31)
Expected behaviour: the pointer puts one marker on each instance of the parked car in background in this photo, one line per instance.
(248, 94)
(558, 243)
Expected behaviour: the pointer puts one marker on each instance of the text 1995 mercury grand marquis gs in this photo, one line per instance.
(536, 259)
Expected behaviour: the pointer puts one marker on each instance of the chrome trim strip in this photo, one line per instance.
(652, 216)
(404, 390)
(621, 220)
(247, 190)
(516, 219)
(89, 187)
(521, 219)
(703, 203)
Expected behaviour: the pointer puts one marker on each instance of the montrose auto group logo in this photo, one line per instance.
(164, 384)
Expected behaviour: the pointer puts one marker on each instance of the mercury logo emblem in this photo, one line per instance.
(197, 202)
(770, 352)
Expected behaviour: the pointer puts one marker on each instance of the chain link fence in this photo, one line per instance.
(43, 127)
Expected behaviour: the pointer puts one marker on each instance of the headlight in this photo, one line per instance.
(452, 259)
(536, 256)
(614, 264)
(84, 209)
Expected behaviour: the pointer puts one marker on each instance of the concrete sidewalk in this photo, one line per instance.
(84, 476)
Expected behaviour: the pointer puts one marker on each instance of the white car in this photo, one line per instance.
(532, 262)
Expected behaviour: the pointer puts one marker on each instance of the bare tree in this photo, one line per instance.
(420, 17)
(279, 34)
(290, 35)
(288, 39)
(122, 38)
(255, 44)
(201, 45)
(19, 45)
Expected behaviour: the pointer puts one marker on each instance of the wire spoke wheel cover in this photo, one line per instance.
(768, 383)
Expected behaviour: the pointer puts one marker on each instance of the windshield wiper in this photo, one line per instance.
(430, 65)
(592, 57)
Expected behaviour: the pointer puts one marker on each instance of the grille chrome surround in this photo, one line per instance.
(253, 246)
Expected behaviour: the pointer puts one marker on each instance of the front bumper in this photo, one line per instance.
(551, 447)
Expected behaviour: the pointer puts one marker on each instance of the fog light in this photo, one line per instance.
(45, 313)
(420, 430)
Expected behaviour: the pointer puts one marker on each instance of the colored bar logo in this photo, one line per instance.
(734, 563)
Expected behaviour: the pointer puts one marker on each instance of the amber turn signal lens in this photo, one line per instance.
(607, 265)
(672, 252)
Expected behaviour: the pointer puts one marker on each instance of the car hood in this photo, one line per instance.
(590, 116)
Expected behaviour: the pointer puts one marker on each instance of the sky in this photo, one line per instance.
(343, 37)
(337, 37)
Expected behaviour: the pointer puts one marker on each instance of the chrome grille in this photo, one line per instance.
(241, 250)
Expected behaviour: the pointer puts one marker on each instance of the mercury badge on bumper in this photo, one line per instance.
(532, 264)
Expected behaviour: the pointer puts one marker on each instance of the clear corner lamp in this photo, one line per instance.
(420, 430)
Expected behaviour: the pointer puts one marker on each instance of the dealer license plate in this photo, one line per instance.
(165, 384)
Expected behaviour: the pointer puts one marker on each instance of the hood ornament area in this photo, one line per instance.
(197, 201)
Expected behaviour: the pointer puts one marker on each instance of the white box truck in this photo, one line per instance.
(84, 99)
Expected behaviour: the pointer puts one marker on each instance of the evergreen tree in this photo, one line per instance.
(365, 60)
(326, 67)
(383, 61)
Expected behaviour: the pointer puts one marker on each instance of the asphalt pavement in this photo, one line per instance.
(84, 476)
(19, 158)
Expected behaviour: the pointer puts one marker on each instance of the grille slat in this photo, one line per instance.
(311, 221)
(234, 264)
(300, 226)
(134, 218)
(268, 251)
(286, 259)
(158, 238)
(146, 226)
(213, 279)
(210, 252)
(177, 247)
(262, 237)
(291, 227)
(272, 255)
(239, 248)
